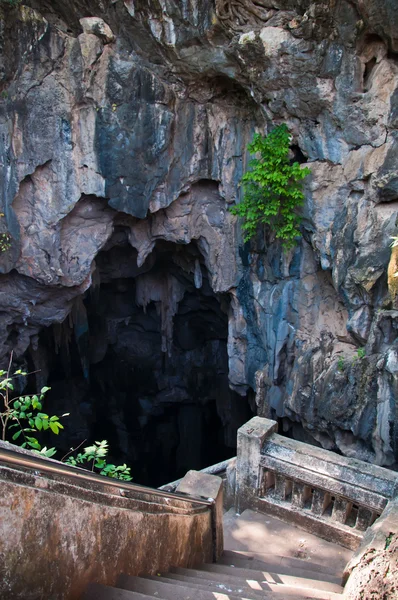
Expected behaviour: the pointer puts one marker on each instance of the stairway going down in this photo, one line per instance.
(236, 575)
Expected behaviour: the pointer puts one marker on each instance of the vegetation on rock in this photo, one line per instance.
(272, 188)
(5, 238)
(22, 417)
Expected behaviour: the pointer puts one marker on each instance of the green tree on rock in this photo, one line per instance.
(272, 188)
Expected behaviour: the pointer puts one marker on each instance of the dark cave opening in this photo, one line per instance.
(142, 362)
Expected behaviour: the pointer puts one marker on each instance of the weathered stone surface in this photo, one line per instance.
(59, 534)
(138, 115)
(371, 572)
(210, 487)
(97, 27)
(298, 483)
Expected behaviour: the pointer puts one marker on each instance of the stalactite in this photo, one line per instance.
(95, 285)
(79, 321)
(38, 354)
(198, 278)
(166, 292)
(62, 335)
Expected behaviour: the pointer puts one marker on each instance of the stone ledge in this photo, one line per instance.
(332, 532)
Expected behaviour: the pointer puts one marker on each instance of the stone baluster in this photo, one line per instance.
(300, 494)
(268, 482)
(288, 488)
(320, 502)
(341, 510)
(364, 518)
(280, 487)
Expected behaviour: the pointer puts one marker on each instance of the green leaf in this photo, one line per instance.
(38, 423)
(49, 452)
(16, 435)
(44, 389)
(54, 427)
(33, 443)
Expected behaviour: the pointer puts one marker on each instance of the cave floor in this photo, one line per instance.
(259, 534)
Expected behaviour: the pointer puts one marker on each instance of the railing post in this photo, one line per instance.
(251, 437)
(210, 487)
(364, 518)
(341, 510)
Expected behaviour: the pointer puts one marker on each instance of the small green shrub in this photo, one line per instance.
(272, 188)
(96, 455)
(5, 238)
(341, 364)
(22, 416)
(5, 242)
(361, 353)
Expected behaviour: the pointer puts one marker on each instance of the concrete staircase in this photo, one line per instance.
(236, 576)
(264, 559)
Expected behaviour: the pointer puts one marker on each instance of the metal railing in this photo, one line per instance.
(217, 469)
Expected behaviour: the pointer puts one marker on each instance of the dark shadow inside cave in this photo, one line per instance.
(142, 362)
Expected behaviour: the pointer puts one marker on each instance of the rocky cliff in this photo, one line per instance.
(124, 128)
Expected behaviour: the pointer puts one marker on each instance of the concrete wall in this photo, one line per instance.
(57, 535)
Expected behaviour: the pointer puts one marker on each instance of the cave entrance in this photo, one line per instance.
(142, 362)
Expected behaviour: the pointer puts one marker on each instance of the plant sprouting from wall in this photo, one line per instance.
(5, 238)
(272, 188)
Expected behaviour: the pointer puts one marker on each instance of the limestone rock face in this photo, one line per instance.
(137, 114)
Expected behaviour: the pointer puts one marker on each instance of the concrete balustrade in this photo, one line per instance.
(63, 528)
(335, 497)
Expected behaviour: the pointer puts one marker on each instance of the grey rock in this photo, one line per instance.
(97, 27)
(134, 134)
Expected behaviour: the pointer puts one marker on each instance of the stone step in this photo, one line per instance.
(257, 565)
(176, 590)
(95, 591)
(241, 587)
(224, 573)
(272, 559)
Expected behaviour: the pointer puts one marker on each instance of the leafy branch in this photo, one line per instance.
(272, 188)
(24, 414)
(95, 455)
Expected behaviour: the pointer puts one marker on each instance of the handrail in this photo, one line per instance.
(220, 467)
(15, 458)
